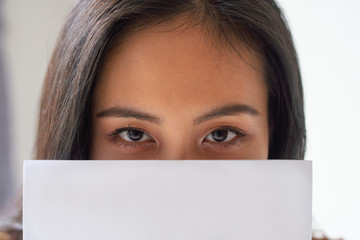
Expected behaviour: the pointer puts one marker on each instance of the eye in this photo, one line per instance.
(130, 137)
(224, 136)
(221, 135)
(134, 135)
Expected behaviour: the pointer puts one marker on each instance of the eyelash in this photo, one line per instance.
(116, 138)
(239, 136)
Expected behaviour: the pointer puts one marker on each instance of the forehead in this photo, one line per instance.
(179, 66)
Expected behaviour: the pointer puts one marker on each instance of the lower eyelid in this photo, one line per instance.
(116, 139)
(232, 141)
(125, 144)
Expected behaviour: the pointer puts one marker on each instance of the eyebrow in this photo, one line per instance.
(226, 110)
(126, 112)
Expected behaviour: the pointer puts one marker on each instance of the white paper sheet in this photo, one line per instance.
(167, 200)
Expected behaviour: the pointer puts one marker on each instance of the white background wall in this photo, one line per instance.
(327, 37)
(30, 30)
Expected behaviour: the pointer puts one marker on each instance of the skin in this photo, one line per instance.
(177, 75)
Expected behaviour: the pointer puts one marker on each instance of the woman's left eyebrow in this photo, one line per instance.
(226, 110)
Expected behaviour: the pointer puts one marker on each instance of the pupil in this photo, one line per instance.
(219, 135)
(135, 135)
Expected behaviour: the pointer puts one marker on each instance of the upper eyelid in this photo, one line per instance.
(236, 130)
(229, 128)
(214, 129)
(123, 129)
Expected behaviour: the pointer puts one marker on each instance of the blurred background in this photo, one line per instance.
(327, 38)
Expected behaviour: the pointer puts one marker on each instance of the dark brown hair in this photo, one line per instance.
(65, 114)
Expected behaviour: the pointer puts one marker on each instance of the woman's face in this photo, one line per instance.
(173, 94)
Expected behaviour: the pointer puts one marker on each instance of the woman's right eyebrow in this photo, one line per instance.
(129, 113)
(226, 110)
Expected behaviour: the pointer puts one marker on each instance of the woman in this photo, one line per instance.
(154, 79)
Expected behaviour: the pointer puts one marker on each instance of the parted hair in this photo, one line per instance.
(64, 129)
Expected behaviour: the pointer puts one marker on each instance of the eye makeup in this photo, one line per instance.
(239, 135)
(117, 139)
